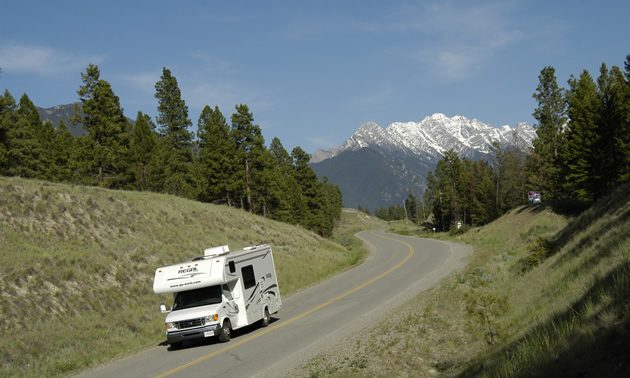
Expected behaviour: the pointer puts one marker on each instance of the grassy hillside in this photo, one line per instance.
(77, 266)
(543, 295)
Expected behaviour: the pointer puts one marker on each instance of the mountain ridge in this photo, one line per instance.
(432, 136)
(404, 152)
(64, 112)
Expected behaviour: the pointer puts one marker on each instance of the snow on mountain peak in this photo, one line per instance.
(433, 136)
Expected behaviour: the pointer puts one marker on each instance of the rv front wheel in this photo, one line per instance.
(226, 330)
(265, 320)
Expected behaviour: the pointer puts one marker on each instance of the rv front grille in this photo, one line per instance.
(191, 323)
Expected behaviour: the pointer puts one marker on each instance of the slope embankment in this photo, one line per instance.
(543, 294)
(77, 266)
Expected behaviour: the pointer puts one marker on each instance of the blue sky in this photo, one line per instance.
(312, 72)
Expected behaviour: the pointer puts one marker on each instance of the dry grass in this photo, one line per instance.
(77, 267)
(564, 313)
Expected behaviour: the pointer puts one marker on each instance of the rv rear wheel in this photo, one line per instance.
(265, 320)
(177, 346)
(226, 331)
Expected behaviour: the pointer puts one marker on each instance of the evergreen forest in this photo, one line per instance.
(226, 162)
(580, 154)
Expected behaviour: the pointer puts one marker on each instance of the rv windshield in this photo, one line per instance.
(197, 297)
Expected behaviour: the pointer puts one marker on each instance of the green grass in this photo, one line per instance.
(560, 287)
(77, 266)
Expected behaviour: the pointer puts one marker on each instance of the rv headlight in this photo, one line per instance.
(212, 318)
(170, 326)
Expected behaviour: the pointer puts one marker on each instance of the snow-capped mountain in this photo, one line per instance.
(377, 166)
(431, 137)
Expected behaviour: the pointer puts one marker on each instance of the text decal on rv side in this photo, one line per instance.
(185, 284)
(185, 273)
(187, 270)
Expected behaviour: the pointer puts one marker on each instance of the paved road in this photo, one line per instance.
(311, 320)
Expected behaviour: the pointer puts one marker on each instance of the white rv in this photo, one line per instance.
(218, 292)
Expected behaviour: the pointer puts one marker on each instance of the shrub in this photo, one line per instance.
(538, 251)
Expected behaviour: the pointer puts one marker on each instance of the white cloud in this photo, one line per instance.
(43, 60)
(458, 38)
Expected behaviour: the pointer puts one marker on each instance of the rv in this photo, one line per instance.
(535, 197)
(218, 292)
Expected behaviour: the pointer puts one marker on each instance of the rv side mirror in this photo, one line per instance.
(163, 308)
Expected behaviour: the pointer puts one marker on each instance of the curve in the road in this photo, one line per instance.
(235, 344)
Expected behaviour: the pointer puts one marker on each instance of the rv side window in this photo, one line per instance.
(232, 266)
(249, 280)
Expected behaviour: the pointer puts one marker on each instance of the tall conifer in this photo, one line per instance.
(623, 132)
(217, 157)
(25, 150)
(250, 144)
(582, 138)
(551, 117)
(7, 118)
(141, 151)
(61, 152)
(288, 197)
(103, 150)
(176, 141)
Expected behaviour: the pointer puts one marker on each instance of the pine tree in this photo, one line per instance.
(465, 190)
(450, 173)
(46, 137)
(622, 109)
(582, 137)
(61, 152)
(7, 120)
(281, 156)
(482, 191)
(250, 145)
(333, 205)
(447, 191)
(433, 196)
(311, 191)
(143, 142)
(548, 146)
(411, 205)
(103, 151)
(287, 199)
(25, 149)
(217, 157)
(176, 141)
(267, 185)
(509, 172)
(614, 91)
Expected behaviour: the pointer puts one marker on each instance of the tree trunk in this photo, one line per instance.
(249, 194)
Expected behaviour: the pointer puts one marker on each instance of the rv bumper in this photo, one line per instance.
(191, 334)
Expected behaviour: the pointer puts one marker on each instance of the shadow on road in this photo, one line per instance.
(195, 343)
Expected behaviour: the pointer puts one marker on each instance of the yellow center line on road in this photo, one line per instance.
(270, 329)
